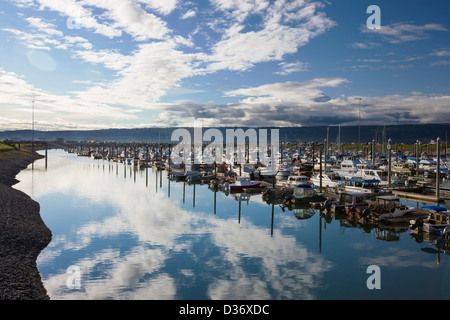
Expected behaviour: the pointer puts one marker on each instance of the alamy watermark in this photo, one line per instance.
(191, 151)
(374, 21)
(73, 23)
(73, 282)
(374, 280)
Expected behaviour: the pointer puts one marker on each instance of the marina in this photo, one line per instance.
(142, 227)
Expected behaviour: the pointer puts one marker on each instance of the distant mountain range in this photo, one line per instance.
(408, 134)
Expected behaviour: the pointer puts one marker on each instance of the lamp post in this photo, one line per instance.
(32, 126)
(389, 163)
(359, 124)
(438, 168)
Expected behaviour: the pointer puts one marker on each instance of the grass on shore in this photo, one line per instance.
(5, 147)
(8, 152)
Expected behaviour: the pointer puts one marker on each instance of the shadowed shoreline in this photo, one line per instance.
(23, 234)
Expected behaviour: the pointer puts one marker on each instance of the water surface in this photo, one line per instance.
(133, 234)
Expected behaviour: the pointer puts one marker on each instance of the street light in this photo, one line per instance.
(359, 124)
(389, 163)
(32, 127)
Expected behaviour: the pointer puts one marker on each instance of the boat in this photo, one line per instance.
(268, 171)
(279, 172)
(348, 166)
(328, 180)
(366, 186)
(346, 201)
(240, 184)
(199, 177)
(292, 181)
(385, 207)
(375, 174)
(438, 222)
(216, 184)
(304, 193)
(355, 204)
(96, 156)
(402, 168)
(182, 175)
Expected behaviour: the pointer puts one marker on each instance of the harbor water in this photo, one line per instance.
(121, 233)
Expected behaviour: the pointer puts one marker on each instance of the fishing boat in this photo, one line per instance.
(240, 184)
(355, 204)
(438, 221)
(346, 201)
(385, 207)
(304, 193)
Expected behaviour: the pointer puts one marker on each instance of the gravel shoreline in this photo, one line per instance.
(23, 234)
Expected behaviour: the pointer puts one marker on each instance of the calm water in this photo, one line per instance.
(135, 236)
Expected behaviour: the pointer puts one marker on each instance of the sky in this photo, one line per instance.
(97, 64)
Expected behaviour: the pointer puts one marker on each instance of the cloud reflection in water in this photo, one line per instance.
(136, 243)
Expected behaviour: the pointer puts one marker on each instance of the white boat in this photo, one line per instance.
(279, 172)
(330, 180)
(348, 166)
(367, 186)
(292, 181)
(376, 174)
(268, 171)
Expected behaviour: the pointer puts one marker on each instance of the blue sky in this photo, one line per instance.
(93, 64)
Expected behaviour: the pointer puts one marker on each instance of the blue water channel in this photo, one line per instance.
(133, 234)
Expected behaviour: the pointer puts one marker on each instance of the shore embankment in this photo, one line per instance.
(23, 233)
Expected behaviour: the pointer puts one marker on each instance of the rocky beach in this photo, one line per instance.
(23, 233)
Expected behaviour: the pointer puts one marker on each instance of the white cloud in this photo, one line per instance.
(441, 52)
(307, 103)
(162, 6)
(46, 36)
(129, 16)
(402, 32)
(43, 26)
(287, 68)
(277, 37)
(189, 14)
(110, 59)
(16, 95)
(362, 45)
(145, 76)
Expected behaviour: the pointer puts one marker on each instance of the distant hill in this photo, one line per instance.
(397, 133)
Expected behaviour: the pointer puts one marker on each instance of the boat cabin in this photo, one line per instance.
(362, 185)
(387, 204)
(439, 217)
(296, 180)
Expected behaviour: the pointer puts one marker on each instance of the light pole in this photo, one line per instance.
(389, 163)
(359, 124)
(32, 127)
